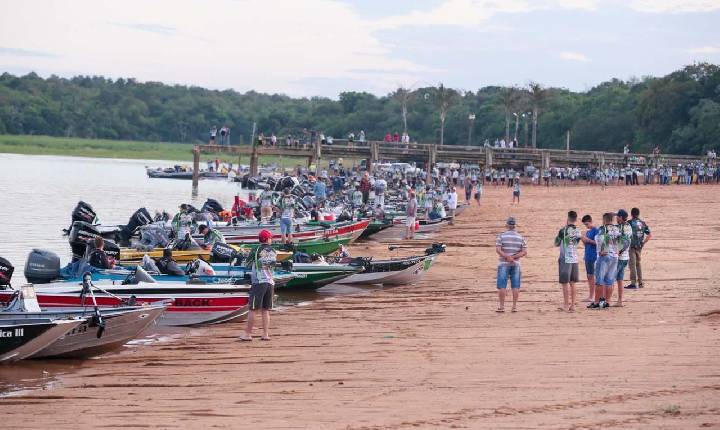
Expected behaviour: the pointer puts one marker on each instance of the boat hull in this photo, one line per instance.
(21, 340)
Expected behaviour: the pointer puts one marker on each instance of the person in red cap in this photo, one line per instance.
(262, 289)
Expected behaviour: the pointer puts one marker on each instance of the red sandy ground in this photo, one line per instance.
(436, 355)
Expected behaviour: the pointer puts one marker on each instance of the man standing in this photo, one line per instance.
(411, 215)
(286, 207)
(262, 289)
(365, 187)
(623, 253)
(567, 239)
(590, 255)
(511, 247)
(606, 264)
(640, 236)
(452, 202)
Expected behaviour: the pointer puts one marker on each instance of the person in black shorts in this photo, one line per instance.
(263, 285)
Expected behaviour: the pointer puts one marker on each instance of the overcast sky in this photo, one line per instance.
(323, 47)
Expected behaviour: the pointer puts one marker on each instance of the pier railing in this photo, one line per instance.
(429, 154)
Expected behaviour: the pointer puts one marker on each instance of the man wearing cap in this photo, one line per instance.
(623, 253)
(210, 236)
(510, 247)
(262, 289)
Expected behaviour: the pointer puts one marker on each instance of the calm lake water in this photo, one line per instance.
(38, 196)
(40, 192)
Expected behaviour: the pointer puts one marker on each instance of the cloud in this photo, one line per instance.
(705, 50)
(675, 6)
(475, 13)
(18, 52)
(574, 56)
(150, 28)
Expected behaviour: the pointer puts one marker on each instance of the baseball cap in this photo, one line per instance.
(622, 213)
(264, 236)
(510, 221)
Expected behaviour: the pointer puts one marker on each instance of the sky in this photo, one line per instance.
(324, 47)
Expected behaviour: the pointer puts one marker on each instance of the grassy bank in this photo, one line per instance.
(76, 147)
(130, 149)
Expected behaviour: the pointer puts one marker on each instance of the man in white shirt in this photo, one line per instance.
(452, 202)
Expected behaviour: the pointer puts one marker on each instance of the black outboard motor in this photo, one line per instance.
(42, 266)
(211, 205)
(83, 212)
(222, 253)
(80, 234)
(140, 218)
(6, 272)
(435, 248)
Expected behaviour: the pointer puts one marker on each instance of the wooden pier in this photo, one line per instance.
(430, 154)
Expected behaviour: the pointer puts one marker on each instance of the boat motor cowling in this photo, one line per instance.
(84, 212)
(6, 272)
(138, 219)
(42, 266)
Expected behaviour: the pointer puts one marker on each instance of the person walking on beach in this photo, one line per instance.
(606, 264)
(640, 236)
(623, 254)
(510, 247)
(478, 191)
(567, 239)
(262, 289)
(590, 255)
(516, 191)
(410, 215)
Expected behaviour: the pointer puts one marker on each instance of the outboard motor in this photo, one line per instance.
(42, 266)
(140, 218)
(222, 253)
(81, 233)
(112, 250)
(6, 272)
(84, 212)
(212, 205)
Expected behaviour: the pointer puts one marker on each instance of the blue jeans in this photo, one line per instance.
(285, 226)
(508, 272)
(605, 270)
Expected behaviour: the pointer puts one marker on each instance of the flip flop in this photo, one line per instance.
(513, 310)
(266, 339)
(245, 339)
(498, 310)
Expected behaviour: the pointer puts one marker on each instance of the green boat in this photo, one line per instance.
(318, 275)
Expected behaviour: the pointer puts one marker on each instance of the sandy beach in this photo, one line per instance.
(436, 355)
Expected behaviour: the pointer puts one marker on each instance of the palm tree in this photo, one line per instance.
(538, 94)
(508, 97)
(444, 97)
(403, 95)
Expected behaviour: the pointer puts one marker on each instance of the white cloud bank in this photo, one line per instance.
(574, 56)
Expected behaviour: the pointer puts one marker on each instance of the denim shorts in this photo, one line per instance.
(590, 268)
(508, 272)
(285, 226)
(622, 264)
(605, 270)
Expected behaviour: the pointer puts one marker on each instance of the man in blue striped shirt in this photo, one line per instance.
(510, 247)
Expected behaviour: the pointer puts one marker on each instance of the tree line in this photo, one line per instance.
(679, 112)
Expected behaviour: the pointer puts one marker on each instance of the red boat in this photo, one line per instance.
(190, 304)
(349, 229)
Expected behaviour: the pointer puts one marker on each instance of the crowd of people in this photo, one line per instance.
(609, 249)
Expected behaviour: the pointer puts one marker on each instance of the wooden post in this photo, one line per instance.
(545, 159)
(488, 157)
(254, 160)
(567, 142)
(374, 154)
(432, 157)
(196, 169)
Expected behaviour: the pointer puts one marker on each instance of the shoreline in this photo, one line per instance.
(436, 354)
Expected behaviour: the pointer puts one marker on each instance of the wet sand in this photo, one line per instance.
(436, 355)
